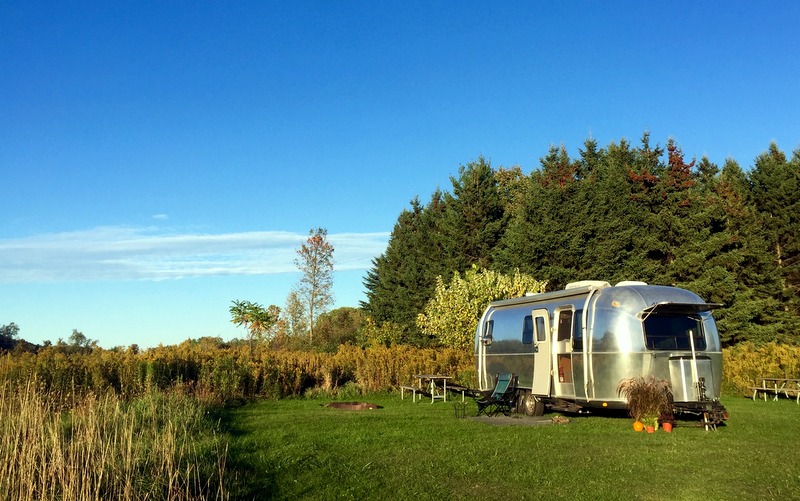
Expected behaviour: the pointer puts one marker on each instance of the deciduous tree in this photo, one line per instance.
(315, 289)
(10, 331)
(455, 309)
(294, 315)
(255, 318)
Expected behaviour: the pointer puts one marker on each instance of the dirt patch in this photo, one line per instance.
(518, 420)
(352, 406)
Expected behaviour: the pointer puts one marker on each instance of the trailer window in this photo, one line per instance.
(662, 332)
(577, 331)
(541, 335)
(527, 330)
(564, 325)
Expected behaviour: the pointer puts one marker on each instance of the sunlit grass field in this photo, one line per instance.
(166, 445)
(300, 449)
(59, 446)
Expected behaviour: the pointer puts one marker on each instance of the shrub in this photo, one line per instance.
(745, 362)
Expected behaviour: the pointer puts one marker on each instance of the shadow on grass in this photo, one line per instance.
(250, 475)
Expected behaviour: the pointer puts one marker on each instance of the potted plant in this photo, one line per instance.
(648, 398)
(650, 424)
(667, 418)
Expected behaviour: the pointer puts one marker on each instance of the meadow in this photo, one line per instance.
(301, 449)
(71, 446)
(203, 420)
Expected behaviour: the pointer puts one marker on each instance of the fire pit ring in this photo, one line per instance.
(352, 406)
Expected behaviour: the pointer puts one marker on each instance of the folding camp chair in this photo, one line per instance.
(503, 397)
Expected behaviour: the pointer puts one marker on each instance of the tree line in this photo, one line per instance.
(622, 212)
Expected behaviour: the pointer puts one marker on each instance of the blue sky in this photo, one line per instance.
(161, 159)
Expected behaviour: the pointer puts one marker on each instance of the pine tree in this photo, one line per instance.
(403, 277)
(619, 213)
(775, 191)
(749, 274)
(613, 217)
(650, 217)
(538, 239)
(474, 217)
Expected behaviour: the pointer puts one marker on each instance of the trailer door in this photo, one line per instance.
(542, 357)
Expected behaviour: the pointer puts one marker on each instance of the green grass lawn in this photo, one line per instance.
(300, 449)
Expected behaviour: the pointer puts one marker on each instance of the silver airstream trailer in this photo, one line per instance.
(570, 348)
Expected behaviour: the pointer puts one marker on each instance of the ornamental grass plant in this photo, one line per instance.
(648, 398)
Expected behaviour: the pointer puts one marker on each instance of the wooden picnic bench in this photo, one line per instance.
(774, 387)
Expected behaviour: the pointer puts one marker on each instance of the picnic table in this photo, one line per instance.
(429, 381)
(432, 385)
(790, 387)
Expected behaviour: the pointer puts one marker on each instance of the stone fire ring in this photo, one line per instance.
(352, 406)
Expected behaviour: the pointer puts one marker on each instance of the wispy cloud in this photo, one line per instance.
(122, 253)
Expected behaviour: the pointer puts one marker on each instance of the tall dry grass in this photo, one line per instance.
(220, 374)
(90, 447)
(217, 373)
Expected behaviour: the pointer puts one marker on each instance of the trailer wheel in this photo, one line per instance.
(533, 406)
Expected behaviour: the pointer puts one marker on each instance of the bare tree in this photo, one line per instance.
(315, 260)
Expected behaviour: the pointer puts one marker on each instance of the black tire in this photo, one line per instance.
(532, 405)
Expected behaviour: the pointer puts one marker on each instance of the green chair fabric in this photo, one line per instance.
(502, 399)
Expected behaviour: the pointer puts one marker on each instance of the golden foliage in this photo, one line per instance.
(744, 363)
(455, 308)
(75, 447)
(217, 372)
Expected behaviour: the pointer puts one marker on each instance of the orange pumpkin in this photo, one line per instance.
(638, 426)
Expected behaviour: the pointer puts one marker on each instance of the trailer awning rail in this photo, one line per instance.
(669, 308)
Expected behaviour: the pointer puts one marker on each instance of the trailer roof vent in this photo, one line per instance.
(629, 282)
(586, 283)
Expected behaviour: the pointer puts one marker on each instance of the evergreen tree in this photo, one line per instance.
(707, 173)
(644, 170)
(403, 277)
(511, 189)
(749, 275)
(591, 158)
(538, 239)
(474, 217)
(775, 191)
(619, 213)
(613, 216)
(680, 220)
